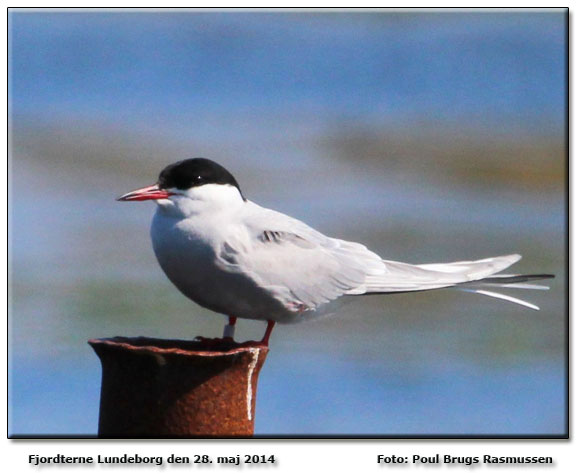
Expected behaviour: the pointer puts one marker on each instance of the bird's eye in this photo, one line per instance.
(199, 178)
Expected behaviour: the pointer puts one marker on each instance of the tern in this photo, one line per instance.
(234, 257)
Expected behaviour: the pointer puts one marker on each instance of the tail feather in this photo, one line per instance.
(521, 286)
(500, 296)
(506, 281)
(498, 279)
(470, 276)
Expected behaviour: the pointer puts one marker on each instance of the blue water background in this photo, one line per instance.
(100, 102)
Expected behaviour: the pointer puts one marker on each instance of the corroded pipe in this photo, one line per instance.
(172, 388)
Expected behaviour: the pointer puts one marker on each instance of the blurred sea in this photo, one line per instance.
(426, 136)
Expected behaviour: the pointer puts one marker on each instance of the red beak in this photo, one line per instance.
(145, 194)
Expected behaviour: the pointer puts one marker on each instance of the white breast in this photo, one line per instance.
(187, 237)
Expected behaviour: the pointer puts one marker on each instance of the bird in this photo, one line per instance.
(232, 256)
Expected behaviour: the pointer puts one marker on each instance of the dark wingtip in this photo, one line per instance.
(517, 278)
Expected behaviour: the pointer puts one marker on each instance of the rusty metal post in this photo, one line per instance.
(167, 388)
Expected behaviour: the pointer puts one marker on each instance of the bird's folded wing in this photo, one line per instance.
(304, 268)
(402, 277)
(298, 265)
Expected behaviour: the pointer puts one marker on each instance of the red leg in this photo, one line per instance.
(229, 328)
(270, 326)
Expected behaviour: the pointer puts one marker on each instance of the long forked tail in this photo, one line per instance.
(506, 281)
(478, 276)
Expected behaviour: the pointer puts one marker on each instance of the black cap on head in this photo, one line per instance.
(195, 172)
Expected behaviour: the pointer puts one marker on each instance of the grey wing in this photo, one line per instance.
(405, 277)
(301, 267)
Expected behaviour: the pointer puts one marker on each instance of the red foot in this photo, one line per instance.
(216, 342)
(228, 332)
(264, 342)
(270, 326)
